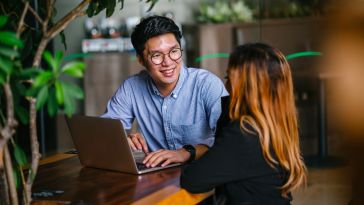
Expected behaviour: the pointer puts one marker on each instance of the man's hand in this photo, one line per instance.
(137, 142)
(166, 156)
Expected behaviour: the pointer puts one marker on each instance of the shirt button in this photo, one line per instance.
(174, 95)
(165, 107)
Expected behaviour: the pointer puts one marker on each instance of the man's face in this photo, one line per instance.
(163, 69)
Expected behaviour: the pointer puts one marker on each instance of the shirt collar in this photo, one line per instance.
(175, 91)
(181, 80)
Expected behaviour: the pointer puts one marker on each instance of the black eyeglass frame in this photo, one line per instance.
(164, 54)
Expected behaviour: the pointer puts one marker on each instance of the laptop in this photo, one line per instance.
(102, 143)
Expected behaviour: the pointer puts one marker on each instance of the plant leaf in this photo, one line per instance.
(8, 52)
(6, 65)
(77, 55)
(91, 9)
(20, 156)
(69, 104)
(110, 7)
(42, 97)
(52, 105)
(50, 60)
(58, 58)
(74, 69)
(63, 39)
(16, 177)
(22, 114)
(59, 93)
(122, 4)
(10, 39)
(43, 78)
(3, 20)
(73, 90)
(2, 78)
(32, 91)
(152, 4)
(29, 73)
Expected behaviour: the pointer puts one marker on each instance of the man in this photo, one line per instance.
(176, 107)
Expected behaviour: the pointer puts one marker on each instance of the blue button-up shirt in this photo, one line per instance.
(187, 116)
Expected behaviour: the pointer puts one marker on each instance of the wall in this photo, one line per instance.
(75, 31)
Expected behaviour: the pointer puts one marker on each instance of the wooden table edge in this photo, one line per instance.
(56, 158)
(171, 194)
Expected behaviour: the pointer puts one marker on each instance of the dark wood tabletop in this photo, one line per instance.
(66, 181)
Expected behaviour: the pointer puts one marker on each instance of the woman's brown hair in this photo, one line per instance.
(261, 91)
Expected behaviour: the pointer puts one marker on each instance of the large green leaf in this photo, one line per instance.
(9, 38)
(42, 97)
(110, 7)
(73, 90)
(91, 9)
(101, 5)
(52, 103)
(22, 114)
(58, 58)
(20, 156)
(50, 60)
(59, 93)
(74, 69)
(42, 79)
(69, 104)
(29, 73)
(3, 20)
(6, 65)
(8, 52)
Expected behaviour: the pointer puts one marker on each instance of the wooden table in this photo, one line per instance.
(82, 185)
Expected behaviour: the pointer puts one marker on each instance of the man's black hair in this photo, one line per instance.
(150, 27)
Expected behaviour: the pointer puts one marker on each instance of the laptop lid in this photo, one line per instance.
(102, 143)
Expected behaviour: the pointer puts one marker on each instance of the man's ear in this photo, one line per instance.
(141, 60)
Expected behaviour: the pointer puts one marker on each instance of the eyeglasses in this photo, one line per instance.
(157, 58)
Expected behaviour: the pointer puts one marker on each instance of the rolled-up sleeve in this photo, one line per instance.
(119, 106)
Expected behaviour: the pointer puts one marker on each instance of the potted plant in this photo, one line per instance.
(23, 78)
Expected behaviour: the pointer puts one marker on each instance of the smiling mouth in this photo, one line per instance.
(168, 72)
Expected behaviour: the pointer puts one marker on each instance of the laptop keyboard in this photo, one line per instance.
(142, 166)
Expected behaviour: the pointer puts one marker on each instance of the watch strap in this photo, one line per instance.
(192, 150)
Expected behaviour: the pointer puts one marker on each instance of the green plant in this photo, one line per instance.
(285, 8)
(28, 85)
(224, 11)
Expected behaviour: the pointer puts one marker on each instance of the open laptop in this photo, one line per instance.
(102, 143)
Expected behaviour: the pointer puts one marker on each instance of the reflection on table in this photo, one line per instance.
(70, 182)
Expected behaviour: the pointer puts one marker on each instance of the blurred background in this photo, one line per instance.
(321, 39)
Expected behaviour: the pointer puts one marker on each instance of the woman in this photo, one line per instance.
(256, 157)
